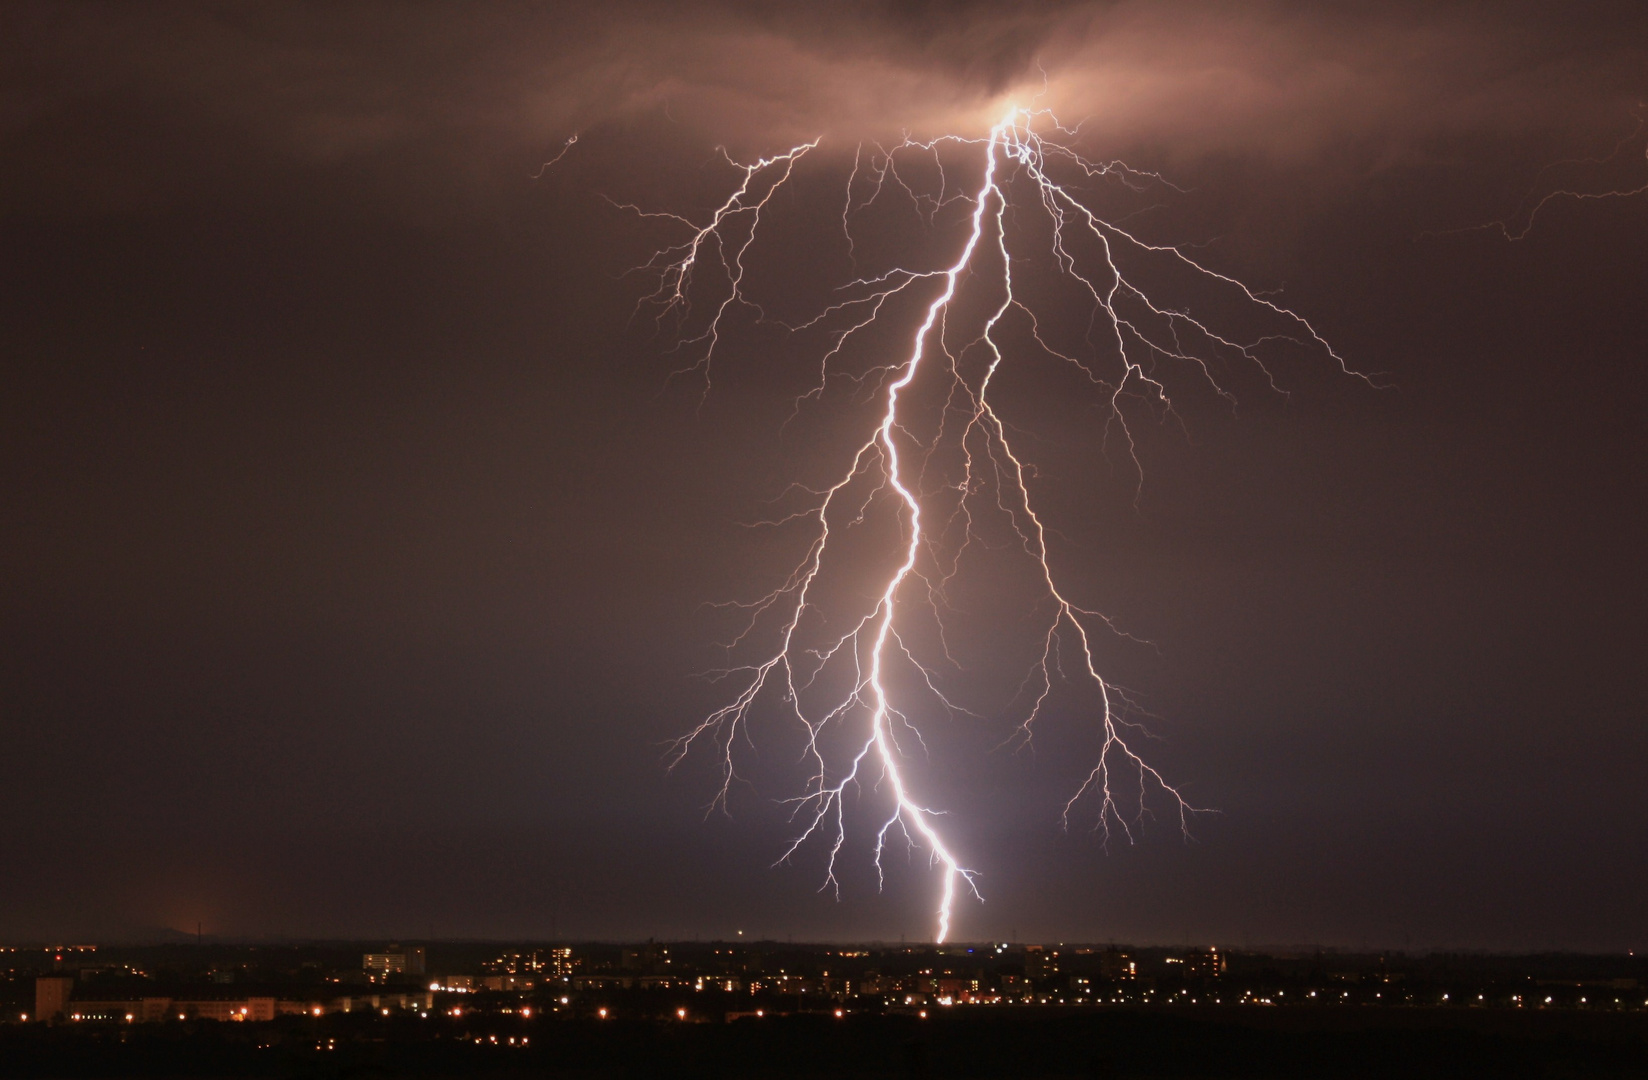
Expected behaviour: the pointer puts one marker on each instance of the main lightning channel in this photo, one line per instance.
(1142, 334)
(916, 815)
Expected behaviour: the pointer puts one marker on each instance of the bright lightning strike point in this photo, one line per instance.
(1141, 347)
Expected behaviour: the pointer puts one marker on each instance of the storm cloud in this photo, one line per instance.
(461, 89)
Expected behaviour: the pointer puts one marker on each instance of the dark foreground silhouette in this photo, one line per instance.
(1028, 1042)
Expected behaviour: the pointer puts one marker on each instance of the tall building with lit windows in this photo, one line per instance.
(1040, 963)
(1206, 963)
(51, 996)
(1117, 966)
(395, 961)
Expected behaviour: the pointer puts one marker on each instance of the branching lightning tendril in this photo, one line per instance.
(890, 466)
(1522, 221)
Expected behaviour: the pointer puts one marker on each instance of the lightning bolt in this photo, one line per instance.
(938, 488)
(1575, 195)
(566, 148)
(1537, 202)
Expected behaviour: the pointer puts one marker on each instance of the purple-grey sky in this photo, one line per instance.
(356, 543)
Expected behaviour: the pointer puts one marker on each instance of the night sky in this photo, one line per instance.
(357, 542)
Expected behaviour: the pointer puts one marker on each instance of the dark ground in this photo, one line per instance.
(1021, 1042)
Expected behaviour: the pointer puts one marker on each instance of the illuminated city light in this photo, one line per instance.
(892, 466)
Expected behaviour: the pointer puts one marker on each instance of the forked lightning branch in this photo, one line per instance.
(847, 689)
